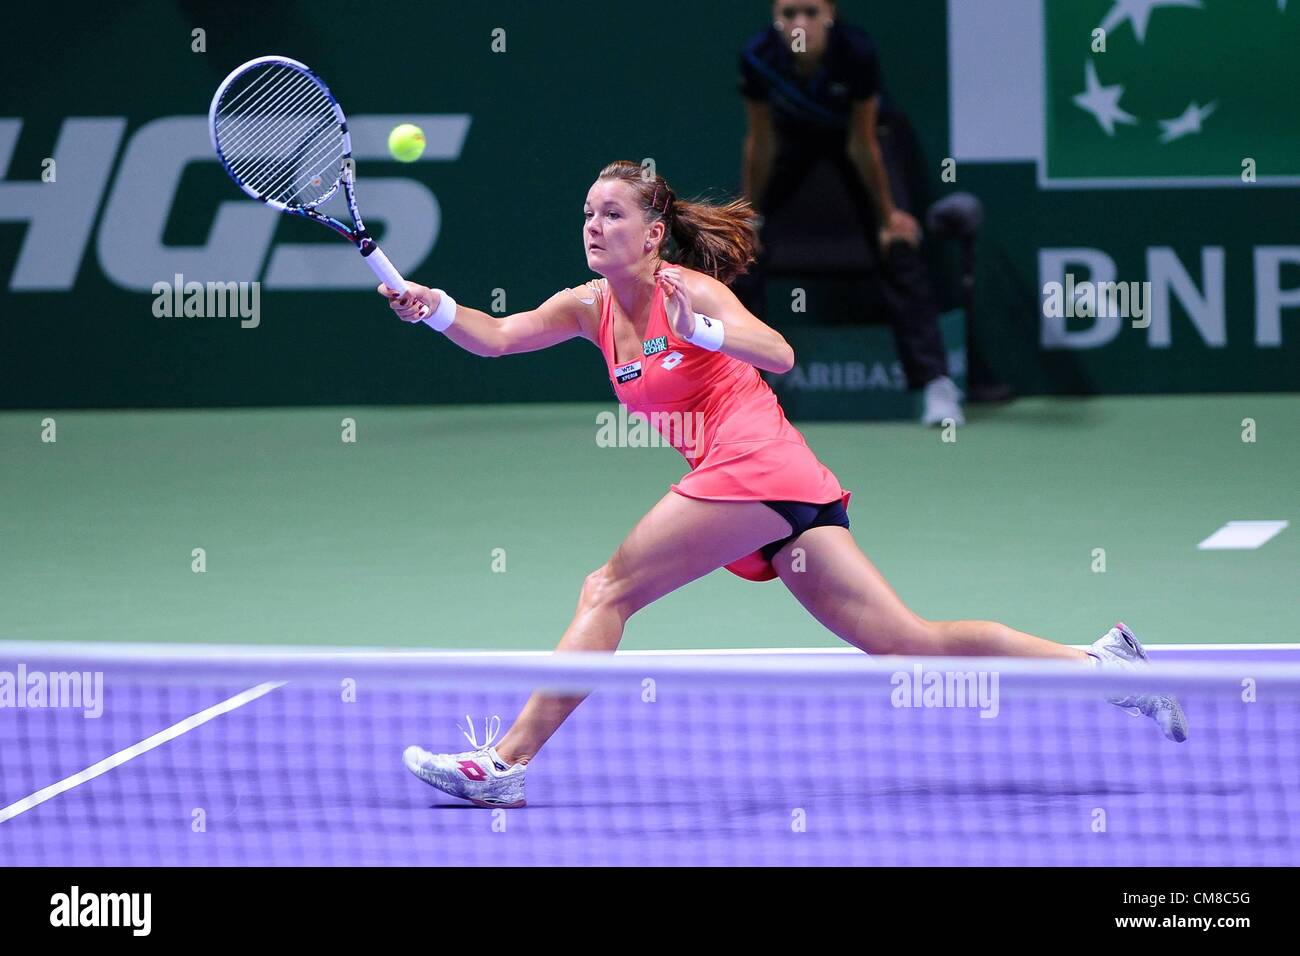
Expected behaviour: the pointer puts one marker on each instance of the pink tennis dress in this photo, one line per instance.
(721, 416)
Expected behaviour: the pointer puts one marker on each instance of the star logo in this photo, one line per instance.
(1148, 94)
(1103, 102)
(1187, 124)
(1138, 13)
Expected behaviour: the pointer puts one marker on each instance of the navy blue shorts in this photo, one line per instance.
(803, 516)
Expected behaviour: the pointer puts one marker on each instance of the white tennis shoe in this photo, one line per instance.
(1119, 649)
(942, 400)
(479, 775)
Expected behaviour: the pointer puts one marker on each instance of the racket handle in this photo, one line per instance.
(385, 270)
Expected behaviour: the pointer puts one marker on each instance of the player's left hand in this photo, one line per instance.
(902, 227)
(681, 315)
(418, 303)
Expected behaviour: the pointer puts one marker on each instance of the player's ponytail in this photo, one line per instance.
(716, 239)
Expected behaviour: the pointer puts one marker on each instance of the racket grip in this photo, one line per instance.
(387, 273)
(379, 263)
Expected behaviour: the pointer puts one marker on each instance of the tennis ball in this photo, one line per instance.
(406, 142)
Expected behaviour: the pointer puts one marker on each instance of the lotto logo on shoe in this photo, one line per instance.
(472, 770)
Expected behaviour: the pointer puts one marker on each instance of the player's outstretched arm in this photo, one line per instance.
(567, 314)
(745, 336)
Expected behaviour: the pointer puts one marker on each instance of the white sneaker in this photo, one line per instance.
(479, 775)
(1119, 649)
(942, 401)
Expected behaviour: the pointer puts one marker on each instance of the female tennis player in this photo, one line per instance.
(756, 499)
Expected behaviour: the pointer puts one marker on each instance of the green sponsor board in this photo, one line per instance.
(845, 372)
(1185, 92)
(519, 123)
(521, 103)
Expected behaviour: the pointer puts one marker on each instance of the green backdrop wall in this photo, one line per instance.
(117, 96)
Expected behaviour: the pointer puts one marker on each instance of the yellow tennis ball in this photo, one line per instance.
(406, 142)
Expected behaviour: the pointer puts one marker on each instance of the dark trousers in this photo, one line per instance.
(905, 290)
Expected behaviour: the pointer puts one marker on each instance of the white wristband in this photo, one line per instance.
(707, 334)
(440, 319)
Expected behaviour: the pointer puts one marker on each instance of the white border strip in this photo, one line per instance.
(135, 750)
(995, 81)
(578, 670)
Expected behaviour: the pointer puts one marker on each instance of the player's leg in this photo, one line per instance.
(840, 587)
(678, 540)
(836, 582)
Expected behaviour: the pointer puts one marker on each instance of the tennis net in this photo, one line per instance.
(261, 759)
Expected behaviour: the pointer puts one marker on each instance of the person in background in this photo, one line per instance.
(813, 93)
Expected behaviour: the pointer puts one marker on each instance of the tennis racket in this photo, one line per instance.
(282, 136)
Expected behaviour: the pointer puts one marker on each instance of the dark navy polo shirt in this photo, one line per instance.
(817, 106)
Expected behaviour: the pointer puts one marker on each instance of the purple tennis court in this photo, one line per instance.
(816, 759)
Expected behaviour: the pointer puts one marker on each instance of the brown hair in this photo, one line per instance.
(715, 238)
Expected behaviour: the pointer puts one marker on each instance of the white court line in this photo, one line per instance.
(135, 750)
(105, 650)
(1243, 535)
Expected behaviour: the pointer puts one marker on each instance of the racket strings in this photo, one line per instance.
(259, 116)
(264, 171)
(280, 103)
(285, 157)
(291, 98)
(254, 94)
(280, 136)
